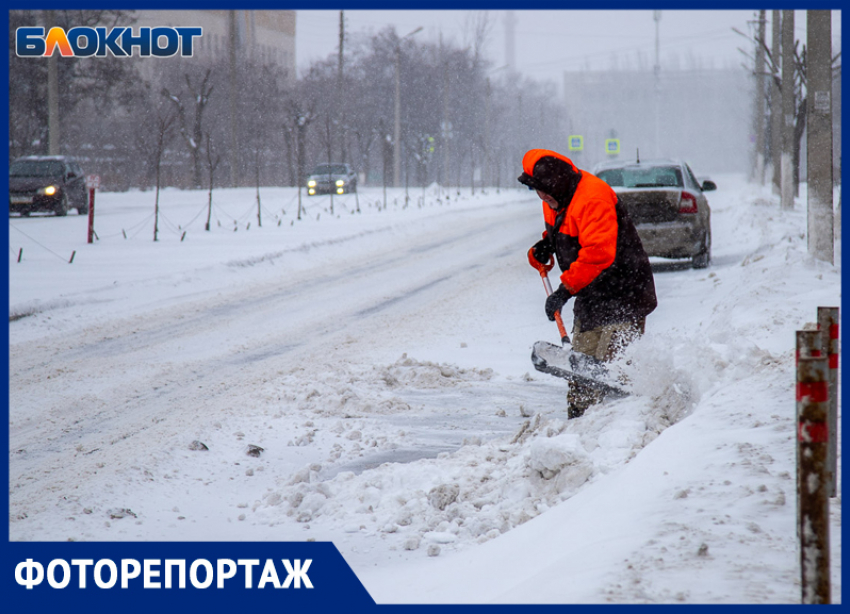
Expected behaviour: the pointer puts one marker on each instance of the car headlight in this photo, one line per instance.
(311, 183)
(49, 190)
(340, 183)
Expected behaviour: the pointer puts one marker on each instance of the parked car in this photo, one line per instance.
(47, 183)
(667, 204)
(332, 179)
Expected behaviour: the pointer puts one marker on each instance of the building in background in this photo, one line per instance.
(701, 116)
(265, 36)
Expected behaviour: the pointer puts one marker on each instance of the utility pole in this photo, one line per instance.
(821, 224)
(445, 124)
(657, 71)
(758, 115)
(776, 102)
(234, 133)
(340, 88)
(397, 118)
(54, 136)
(397, 124)
(510, 40)
(788, 107)
(487, 173)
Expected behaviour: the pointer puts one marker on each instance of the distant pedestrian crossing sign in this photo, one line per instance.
(612, 146)
(576, 142)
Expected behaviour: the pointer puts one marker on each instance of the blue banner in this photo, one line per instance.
(141, 576)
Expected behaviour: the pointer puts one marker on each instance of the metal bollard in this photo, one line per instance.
(809, 345)
(813, 482)
(90, 236)
(828, 327)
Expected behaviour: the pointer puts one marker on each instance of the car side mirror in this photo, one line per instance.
(71, 175)
(708, 186)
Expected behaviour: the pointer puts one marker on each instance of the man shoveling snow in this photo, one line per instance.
(603, 265)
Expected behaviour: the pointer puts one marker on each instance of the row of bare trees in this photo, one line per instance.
(780, 65)
(141, 124)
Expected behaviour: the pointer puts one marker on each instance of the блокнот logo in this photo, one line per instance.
(160, 42)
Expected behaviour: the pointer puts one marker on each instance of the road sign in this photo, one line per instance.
(576, 142)
(612, 146)
(446, 129)
(93, 181)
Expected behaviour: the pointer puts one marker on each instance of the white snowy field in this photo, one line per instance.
(380, 359)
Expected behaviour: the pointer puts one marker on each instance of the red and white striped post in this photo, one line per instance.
(812, 476)
(828, 327)
(809, 345)
(91, 216)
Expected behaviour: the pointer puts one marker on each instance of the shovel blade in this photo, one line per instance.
(574, 367)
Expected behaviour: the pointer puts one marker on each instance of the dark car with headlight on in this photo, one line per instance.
(332, 179)
(665, 201)
(47, 183)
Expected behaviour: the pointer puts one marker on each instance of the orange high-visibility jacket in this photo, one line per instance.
(602, 260)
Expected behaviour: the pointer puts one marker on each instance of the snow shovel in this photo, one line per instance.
(562, 361)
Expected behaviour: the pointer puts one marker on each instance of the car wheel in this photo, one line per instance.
(62, 207)
(83, 209)
(703, 258)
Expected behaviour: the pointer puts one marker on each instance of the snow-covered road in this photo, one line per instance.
(381, 361)
(120, 384)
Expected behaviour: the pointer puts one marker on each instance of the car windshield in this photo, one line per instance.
(642, 177)
(330, 169)
(36, 168)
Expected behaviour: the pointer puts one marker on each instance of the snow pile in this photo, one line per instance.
(407, 372)
(563, 457)
(473, 494)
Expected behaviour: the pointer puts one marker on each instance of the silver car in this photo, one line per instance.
(667, 204)
(332, 179)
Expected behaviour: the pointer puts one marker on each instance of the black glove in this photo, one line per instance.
(556, 301)
(543, 250)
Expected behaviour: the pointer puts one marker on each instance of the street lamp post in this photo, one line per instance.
(487, 118)
(397, 126)
(657, 70)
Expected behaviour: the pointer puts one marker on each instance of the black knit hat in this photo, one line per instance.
(554, 177)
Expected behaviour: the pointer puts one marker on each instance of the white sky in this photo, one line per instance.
(551, 42)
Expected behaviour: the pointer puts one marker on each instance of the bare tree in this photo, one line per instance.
(164, 124)
(191, 129)
(299, 117)
(257, 152)
(212, 163)
(478, 26)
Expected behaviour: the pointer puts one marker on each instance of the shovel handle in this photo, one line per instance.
(565, 338)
